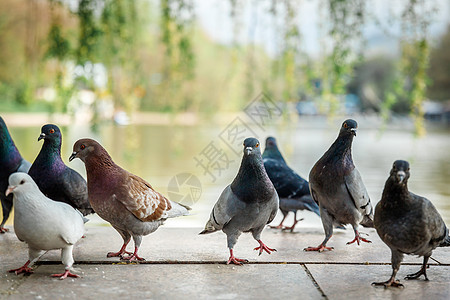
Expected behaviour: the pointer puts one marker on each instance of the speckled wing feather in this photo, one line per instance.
(142, 200)
(358, 192)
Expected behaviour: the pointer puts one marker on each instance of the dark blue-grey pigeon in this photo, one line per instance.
(292, 189)
(56, 180)
(247, 204)
(10, 162)
(407, 223)
(337, 187)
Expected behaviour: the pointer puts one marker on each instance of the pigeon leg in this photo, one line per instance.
(281, 223)
(23, 269)
(291, 228)
(262, 247)
(6, 209)
(65, 275)
(121, 252)
(358, 238)
(396, 260)
(234, 260)
(126, 239)
(134, 256)
(422, 271)
(137, 243)
(327, 222)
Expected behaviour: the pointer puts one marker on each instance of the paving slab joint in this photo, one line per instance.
(316, 284)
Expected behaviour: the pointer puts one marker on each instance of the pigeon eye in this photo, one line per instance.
(82, 146)
(257, 145)
(345, 125)
(22, 181)
(52, 130)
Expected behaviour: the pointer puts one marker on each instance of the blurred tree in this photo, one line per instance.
(439, 70)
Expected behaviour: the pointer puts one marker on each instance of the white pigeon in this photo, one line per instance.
(43, 224)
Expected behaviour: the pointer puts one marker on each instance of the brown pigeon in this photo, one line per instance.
(123, 199)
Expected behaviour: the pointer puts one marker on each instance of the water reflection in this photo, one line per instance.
(158, 153)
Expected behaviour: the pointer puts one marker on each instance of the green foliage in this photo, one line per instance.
(88, 32)
(58, 45)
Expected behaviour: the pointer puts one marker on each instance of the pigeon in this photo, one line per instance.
(10, 162)
(247, 204)
(337, 187)
(407, 223)
(43, 224)
(123, 199)
(292, 189)
(56, 180)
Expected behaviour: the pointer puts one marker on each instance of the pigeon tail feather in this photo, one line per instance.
(367, 222)
(178, 209)
(209, 228)
(446, 241)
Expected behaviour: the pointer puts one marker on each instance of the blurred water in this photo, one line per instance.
(158, 153)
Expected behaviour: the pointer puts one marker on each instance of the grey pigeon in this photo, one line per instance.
(337, 187)
(247, 204)
(292, 189)
(10, 161)
(56, 180)
(407, 223)
(43, 224)
(123, 199)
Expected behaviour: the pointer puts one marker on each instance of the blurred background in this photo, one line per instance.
(157, 81)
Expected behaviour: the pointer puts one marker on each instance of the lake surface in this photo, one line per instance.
(158, 153)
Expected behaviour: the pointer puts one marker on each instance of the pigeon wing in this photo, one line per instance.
(74, 188)
(225, 208)
(358, 192)
(436, 225)
(142, 200)
(287, 183)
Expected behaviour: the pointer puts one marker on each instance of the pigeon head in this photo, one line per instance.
(251, 146)
(271, 142)
(271, 150)
(86, 148)
(349, 127)
(400, 172)
(19, 183)
(50, 133)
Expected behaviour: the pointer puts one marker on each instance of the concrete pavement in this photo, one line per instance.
(180, 264)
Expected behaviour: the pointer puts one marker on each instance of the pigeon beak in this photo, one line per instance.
(73, 156)
(400, 176)
(42, 136)
(353, 131)
(9, 190)
(248, 150)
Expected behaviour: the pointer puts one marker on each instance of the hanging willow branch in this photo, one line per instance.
(347, 19)
(177, 17)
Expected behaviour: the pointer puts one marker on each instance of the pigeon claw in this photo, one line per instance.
(118, 254)
(262, 247)
(358, 239)
(25, 270)
(3, 230)
(417, 275)
(132, 257)
(65, 275)
(291, 228)
(236, 261)
(319, 248)
(389, 283)
(276, 227)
